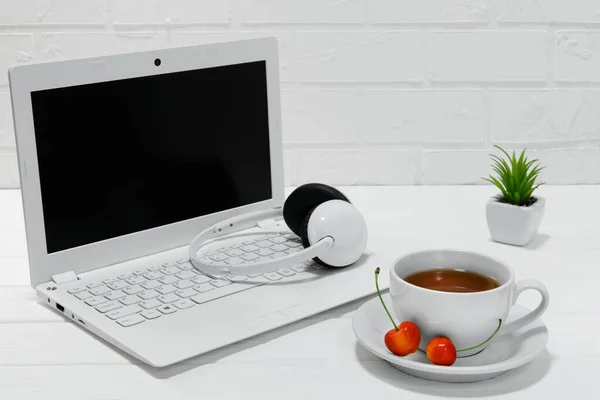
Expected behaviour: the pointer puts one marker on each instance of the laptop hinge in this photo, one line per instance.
(65, 277)
(267, 223)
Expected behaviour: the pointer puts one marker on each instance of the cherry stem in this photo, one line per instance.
(481, 344)
(380, 298)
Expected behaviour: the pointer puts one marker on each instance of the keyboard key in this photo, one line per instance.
(286, 272)
(153, 275)
(279, 247)
(109, 280)
(206, 260)
(223, 249)
(167, 280)
(255, 275)
(148, 294)
(129, 300)
(133, 289)
(170, 270)
(205, 287)
(210, 253)
(272, 235)
(131, 320)
(264, 244)
(168, 298)
(316, 266)
(186, 274)
(272, 276)
(184, 303)
(116, 285)
(100, 290)
(277, 255)
(219, 257)
(152, 303)
(184, 284)
(186, 267)
(123, 312)
(264, 252)
(249, 248)
(94, 301)
(235, 245)
(248, 242)
(166, 289)
(290, 236)
(261, 238)
(186, 293)
(293, 244)
(167, 309)
(234, 253)
(93, 285)
(237, 278)
(150, 314)
(106, 307)
(234, 261)
(292, 251)
(278, 239)
(151, 285)
(183, 261)
(139, 272)
(169, 264)
(200, 279)
(219, 282)
(125, 276)
(136, 280)
(83, 295)
(250, 256)
(300, 268)
(76, 289)
(155, 268)
(115, 295)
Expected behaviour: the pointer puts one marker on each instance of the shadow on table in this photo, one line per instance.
(538, 242)
(509, 382)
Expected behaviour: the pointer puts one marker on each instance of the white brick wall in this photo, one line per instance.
(375, 92)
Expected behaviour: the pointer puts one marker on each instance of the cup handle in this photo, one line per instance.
(533, 315)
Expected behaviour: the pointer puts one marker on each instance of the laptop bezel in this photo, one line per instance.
(24, 79)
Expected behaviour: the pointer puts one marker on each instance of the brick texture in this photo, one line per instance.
(374, 92)
(360, 56)
(7, 136)
(488, 56)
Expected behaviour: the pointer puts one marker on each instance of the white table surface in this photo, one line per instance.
(44, 357)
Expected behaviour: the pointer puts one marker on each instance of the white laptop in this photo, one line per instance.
(124, 159)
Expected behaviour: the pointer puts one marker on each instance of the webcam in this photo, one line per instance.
(157, 62)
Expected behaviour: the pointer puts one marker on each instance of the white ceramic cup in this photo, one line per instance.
(467, 319)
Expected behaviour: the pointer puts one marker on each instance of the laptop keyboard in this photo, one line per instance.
(143, 295)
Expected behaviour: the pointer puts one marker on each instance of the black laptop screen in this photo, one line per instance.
(124, 156)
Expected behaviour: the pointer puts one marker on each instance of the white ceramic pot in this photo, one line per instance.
(512, 224)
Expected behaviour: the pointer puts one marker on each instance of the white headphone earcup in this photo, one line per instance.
(345, 224)
(304, 237)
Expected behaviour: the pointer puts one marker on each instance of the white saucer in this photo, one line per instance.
(504, 353)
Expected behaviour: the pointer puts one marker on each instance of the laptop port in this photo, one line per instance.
(60, 308)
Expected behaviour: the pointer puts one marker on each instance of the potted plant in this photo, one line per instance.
(514, 215)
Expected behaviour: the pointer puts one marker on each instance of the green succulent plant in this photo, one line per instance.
(516, 177)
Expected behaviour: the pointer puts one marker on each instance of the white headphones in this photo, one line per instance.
(332, 230)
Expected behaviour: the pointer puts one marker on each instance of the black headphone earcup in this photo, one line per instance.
(304, 199)
(304, 237)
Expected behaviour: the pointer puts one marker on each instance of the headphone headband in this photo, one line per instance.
(243, 222)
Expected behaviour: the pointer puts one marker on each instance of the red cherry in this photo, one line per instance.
(441, 351)
(404, 340)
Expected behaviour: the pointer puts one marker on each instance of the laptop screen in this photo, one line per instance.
(124, 156)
